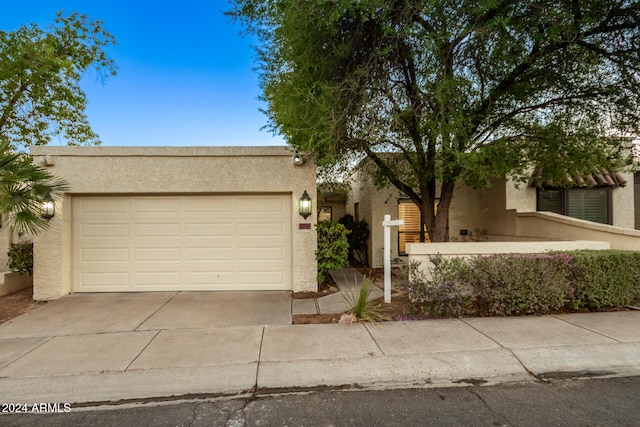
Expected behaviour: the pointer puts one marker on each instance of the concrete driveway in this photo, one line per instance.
(79, 314)
(115, 347)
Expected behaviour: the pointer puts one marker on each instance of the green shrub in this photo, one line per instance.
(333, 247)
(520, 284)
(358, 236)
(527, 284)
(21, 257)
(606, 279)
(442, 296)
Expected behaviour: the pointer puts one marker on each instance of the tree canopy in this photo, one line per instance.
(456, 90)
(40, 72)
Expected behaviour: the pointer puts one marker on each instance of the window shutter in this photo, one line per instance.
(410, 231)
(589, 204)
(410, 213)
(550, 201)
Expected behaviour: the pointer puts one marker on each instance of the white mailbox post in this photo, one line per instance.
(387, 224)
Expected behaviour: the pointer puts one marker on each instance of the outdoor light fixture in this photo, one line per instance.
(297, 159)
(305, 205)
(48, 208)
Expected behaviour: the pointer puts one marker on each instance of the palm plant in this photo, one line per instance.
(24, 187)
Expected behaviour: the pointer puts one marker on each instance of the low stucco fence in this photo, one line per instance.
(421, 252)
(13, 282)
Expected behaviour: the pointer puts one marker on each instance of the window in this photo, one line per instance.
(591, 204)
(410, 231)
(325, 213)
(356, 211)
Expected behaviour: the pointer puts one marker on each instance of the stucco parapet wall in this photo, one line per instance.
(270, 151)
(480, 248)
(563, 219)
(421, 252)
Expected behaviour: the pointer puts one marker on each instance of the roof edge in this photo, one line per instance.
(143, 151)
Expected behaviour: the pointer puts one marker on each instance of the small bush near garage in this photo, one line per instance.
(21, 257)
(333, 247)
(506, 285)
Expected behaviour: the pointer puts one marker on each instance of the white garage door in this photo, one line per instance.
(161, 243)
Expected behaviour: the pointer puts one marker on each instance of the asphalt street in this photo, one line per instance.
(586, 402)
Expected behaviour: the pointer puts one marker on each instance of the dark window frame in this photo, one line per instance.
(566, 195)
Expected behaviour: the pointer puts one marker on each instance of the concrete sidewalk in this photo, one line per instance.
(160, 345)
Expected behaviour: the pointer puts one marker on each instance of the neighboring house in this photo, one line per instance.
(506, 212)
(331, 202)
(176, 219)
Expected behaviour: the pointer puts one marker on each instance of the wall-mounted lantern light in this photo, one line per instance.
(297, 159)
(305, 205)
(48, 209)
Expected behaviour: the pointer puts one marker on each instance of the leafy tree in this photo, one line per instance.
(433, 93)
(40, 71)
(24, 187)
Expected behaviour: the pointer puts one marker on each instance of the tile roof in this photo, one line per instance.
(594, 178)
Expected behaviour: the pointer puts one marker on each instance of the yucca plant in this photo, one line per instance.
(362, 308)
(23, 189)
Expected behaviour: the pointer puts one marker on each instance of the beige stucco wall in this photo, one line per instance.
(421, 252)
(374, 205)
(468, 207)
(551, 226)
(170, 170)
(338, 208)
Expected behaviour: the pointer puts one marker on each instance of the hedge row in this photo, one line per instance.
(526, 284)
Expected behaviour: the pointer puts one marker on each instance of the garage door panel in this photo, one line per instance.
(104, 231)
(142, 243)
(104, 255)
(200, 230)
(266, 254)
(167, 279)
(110, 279)
(221, 254)
(162, 230)
(260, 278)
(100, 206)
(157, 254)
(209, 205)
(261, 205)
(156, 206)
(214, 278)
(258, 229)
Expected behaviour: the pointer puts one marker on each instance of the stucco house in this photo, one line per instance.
(606, 210)
(176, 218)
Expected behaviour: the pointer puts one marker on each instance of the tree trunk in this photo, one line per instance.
(438, 224)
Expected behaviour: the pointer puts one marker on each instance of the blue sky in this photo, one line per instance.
(185, 75)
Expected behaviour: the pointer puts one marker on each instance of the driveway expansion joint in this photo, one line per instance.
(142, 350)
